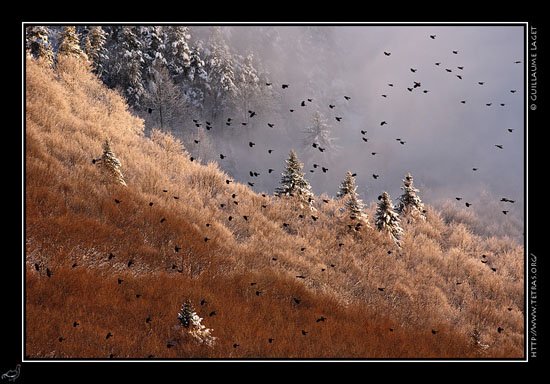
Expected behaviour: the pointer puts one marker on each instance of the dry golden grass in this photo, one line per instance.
(436, 281)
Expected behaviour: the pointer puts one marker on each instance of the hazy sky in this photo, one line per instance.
(444, 138)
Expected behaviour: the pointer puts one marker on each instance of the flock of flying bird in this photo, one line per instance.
(296, 301)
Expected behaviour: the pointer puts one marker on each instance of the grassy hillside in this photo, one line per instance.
(437, 292)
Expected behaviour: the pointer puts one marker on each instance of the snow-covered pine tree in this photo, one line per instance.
(353, 203)
(387, 219)
(70, 44)
(293, 182)
(248, 82)
(94, 47)
(319, 133)
(190, 320)
(111, 164)
(38, 43)
(128, 64)
(178, 53)
(409, 202)
(155, 48)
(197, 86)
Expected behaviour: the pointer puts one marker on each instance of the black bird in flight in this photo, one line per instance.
(498, 146)
(493, 269)
(432, 37)
(274, 258)
(148, 319)
(61, 339)
(363, 132)
(130, 263)
(315, 165)
(117, 201)
(481, 82)
(108, 335)
(438, 64)
(206, 239)
(49, 272)
(500, 329)
(416, 84)
(310, 100)
(474, 169)
(291, 110)
(301, 277)
(505, 212)
(324, 169)
(460, 77)
(502, 104)
(331, 106)
(245, 218)
(228, 123)
(434, 331)
(213, 313)
(384, 95)
(322, 318)
(325, 201)
(302, 249)
(303, 104)
(375, 176)
(150, 203)
(504, 199)
(251, 144)
(150, 110)
(383, 122)
(463, 101)
(175, 197)
(258, 293)
(321, 149)
(110, 256)
(269, 170)
(229, 119)
(191, 158)
(222, 156)
(513, 91)
(253, 284)
(387, 53)
(268, 84)
(461, 68)
(286, 225)
(252, 113)
(373, 153)
(270, 340)
(270, 125)
(36, 266)
(489, 104)
(455, 52)
(269, 150)
(468, 205)
(235, 345)
(296, 300)
(338, 118)
(314, 218)
(390, 84)
(509, 308)
(177, 249)
(195, 121)
(203, 301)
(410, 89)
(413, 70)
(381, 289)
(365, 139)
(230, 218)
(284, 86)
(304, 332)
(425, 91)
(448, 70)
(76, 324)
(244, 123)
(347, 97)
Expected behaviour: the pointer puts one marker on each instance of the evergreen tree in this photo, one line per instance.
(38, 44)
(247, 82)
(387, 219)
(128, 64)
(94, 47)
(409, 201)
(70, 43)
(293, 182)
(353, 203)
(190, 320)
(318, 133)
(178, 53)
(111, 164)
(196, 88)
(154, 38)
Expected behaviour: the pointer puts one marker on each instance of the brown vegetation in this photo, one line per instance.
(79, 243)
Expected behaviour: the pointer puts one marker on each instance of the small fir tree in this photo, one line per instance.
(293, 182)
(38, 44)
(70, 43)
(387, 219)
(409, 202)
(353, 203)
(111, 165)
(193, 323)
(319, 133)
